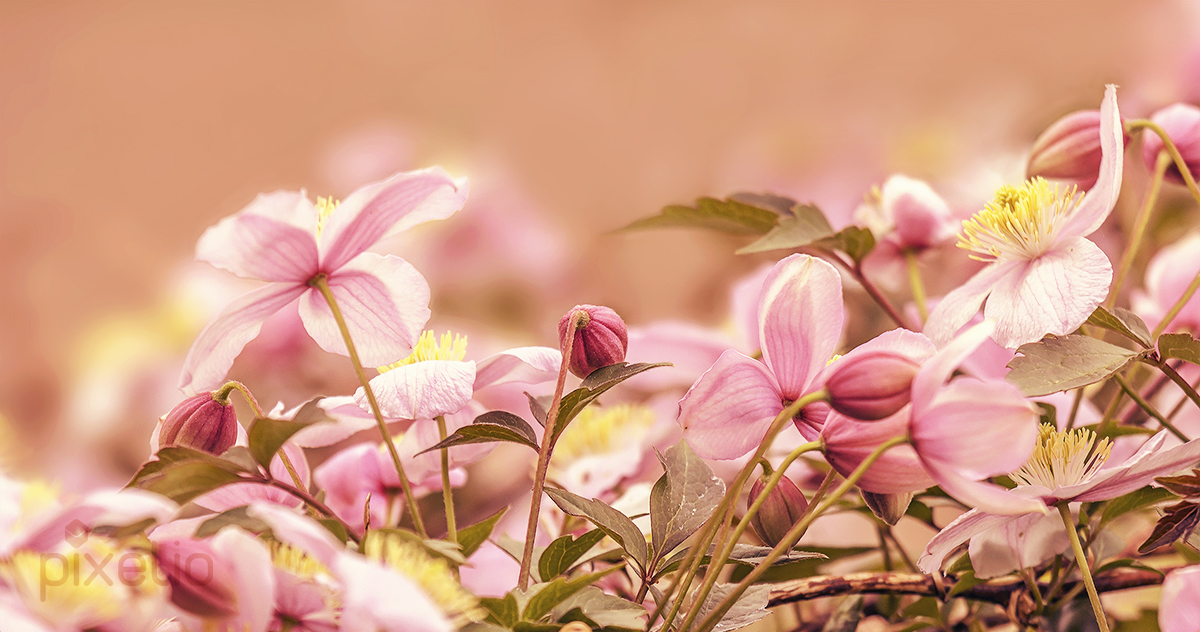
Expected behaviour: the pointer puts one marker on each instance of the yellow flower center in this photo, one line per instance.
(602, 430)
(325, 208)
(1020, 223)
(295, 561)
(1063, 458)
(452, 347)
(433, 574)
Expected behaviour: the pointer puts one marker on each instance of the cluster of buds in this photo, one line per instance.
(600, 338)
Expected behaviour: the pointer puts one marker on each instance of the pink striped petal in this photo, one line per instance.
(370, 599)
(1100, 200)
(728, 410)
(848, 442)
(392, 205)
(954, 534)
(422, 390)
(1028, 541)
(271, 239)
(800, 321)
(1147, 463)
(962, 303)
(937, 370)
(384, 301)
(1180, 607)
(349, 419)
(979, 429)
(981, 494)
(214, 350)
(526, 365)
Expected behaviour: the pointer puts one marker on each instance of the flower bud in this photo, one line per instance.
(872, 386)
(1068, 150)
(781, 510)
(202, 582)
(600, 338)
(202, 423)
(889, 508)
(1181, 122)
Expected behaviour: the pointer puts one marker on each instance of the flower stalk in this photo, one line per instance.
(1139, 227)
(1169, 146)
(447, 494)
(1081, 559)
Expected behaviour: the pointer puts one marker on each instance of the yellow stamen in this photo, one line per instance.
(1063, 458)
(451, 347)
(1020, 223)
(325, 208)
(432, 574)
(296, 562)
(602, 430)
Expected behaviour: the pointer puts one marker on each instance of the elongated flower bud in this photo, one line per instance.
(1068, 150)
(202, 423)
(1181, 122)
(872, 386)
(782, 509)
(202, 582)
(889, 508)
(600, 338)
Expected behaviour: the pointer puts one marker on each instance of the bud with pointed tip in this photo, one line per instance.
(1181, 122)
(782, 509)
(203, 422)
(202, 582)
(601, 338)
(889, 508)
(872, 386)
(1068, 150)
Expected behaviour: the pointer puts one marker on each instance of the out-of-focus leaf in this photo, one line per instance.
(966, 581)
(473, 537)
(751, 607)
(379, 539)
(482, 626)
(184, 480)
(1177, 523)
(615, 524)
(501, 610)
(1049, 413)
(806, 225)
(515, 549)
(683, 498)
(847, 615)
(961, 565)
(1123, 563)
(336, 528)
(490, 427)
(1123, 322)
(1056, 363)
(1187, 485)
(236, 517)
(550, 595)
(755, 555)
(1181, 346)
(852, 240)
(565, 551)
(593, 386)
(267, 435)
(1133, 501)
(727, 216)
(601, 609)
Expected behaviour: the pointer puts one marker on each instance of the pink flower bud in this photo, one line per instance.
(1181, 122)
(201, 423)
(872, 386)
(781, 510)
(600, 338)
(202, 582)
(1068, 150)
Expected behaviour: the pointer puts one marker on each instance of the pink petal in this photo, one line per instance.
(349, 419)
(743, 305)
(978, 428)
(938, 369)
(422, 390)
(921, 217)
(392, 205)
(271, 239)
(1180, 607)
(954, 534)
(691, 350)
(527, 365)
(298, 531)
(385, 302)
(1055, 294)
(378, 598)
(962, 303)
(1100, 200)
(728, 410)
(848, 442)
(214, 350)
(1022, 543)
(253, 576)
(800, 320)
(1149, 462)
(982, 495)
(241, 494)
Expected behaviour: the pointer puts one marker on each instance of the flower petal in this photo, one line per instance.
(527, 365)
(1054, 294)
(392, 205)
(691, 349)
(800, 320)
(214, 350)
(962, 303)
(1024, 542)
(422, 390)
(1180, 607)
(954, 534)
(370, 600)
(728, 410)
(271, 239)
(978, 428)
(848, 442)
(982, 495)
(349, 419)
(938, 369)
(385, 302)
(1095, 206)
(1149, 462)
(299, 531)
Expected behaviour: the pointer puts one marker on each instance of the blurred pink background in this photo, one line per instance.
(127, 128)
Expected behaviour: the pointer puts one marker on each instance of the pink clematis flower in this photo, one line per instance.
(728, 410)
(1043, 276)
(1180, 607)
(286, 240)
(1167, 277)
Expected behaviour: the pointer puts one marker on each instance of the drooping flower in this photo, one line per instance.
(286, 240)
(1068, 150)
(1043, 276)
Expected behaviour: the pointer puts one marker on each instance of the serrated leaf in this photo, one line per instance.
(1123, 322)
(1181, 346)
(1177, 523)
(604, 610)
(501, 610)
(807, 224)
(683, 498)
(852, 240)
(550, 595)
(473, 537)
(1133, 501)
(565, 551)
(750, 607)
(490, 427)
(235, 517)
(593, 386)
(727, 216)
(183, 481)
(267, 435)
(615, 524)
(1186, 486)
(1057, 363)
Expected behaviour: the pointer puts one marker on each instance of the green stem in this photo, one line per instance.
(222, 394)
(1178, 380)
(855, 271)
(915, 282)
(312, 502)
(1075, 408)
(1081, 559)
(1168, 145)
(1150, 410)
(447, 495)
(1182, 400)
(1139, 227)
(322, 285)
(1177, 307)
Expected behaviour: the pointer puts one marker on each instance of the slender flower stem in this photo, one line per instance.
(1075, 408)
(1179, 381)
(1081, 559)
(1139, 227)
(322, 285)
(543, 464)
(1169, 146)
(793, 536)
(915, 282)
(1182, 400)
(312, 502)
(1177, 307)
(447, 495)
(856, 271)
(234, 385)
(1150, 410)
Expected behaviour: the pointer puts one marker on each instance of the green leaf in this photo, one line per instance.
(961, 565)
(603, 610)
(683, 498)
(550, 595)
(1049, 414)
(236, 517)
(808, 224)
(615, 524)
(473, 537)
(593, 386)
(750, 607)
(490, 427)
(1181, 346)
(183, 481)
(1177, 523)
(727, 216)
(966, 581)
(267, 435)
(1187, 485)
(501, 610)
(852, 240)
(336, 528)
(565, 551)
(1056, 364)
(1123, 563)
(1133, 501)
(1123, 322)
(538, 407)
(755, 555)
